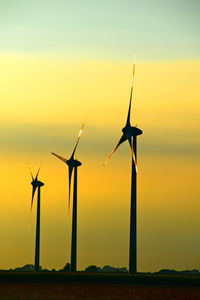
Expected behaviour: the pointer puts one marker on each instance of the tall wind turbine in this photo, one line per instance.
(37, 186)
(130, 134)
(73, 165)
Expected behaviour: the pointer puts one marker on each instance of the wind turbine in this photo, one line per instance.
(37, 186)
(73, 165)
(130, 134)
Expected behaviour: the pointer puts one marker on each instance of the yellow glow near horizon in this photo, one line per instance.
(48, 90)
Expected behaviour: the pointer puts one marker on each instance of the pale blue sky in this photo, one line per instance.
(153, 29)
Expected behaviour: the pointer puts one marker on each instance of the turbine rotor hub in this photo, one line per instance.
(74, 163)
(37, 183)
(131, 130)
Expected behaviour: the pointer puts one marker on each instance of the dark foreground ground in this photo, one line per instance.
(60, 286)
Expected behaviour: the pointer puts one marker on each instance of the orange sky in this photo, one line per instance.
(45, 99)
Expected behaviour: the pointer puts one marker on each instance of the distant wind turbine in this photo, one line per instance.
(73, 165)
(36, 186)
(130, 133)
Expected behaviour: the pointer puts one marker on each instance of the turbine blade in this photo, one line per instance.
(33, 193)
(60, 157)
(134, 59)
(122, 139)
(79, 136)
(130, 139)
(128, 121)
(36, 177)
(31, 173)
(70, 179)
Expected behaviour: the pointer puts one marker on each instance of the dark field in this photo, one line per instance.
(60, 286)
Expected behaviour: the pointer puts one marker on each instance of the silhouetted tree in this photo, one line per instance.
(91, 268)
(67, 267)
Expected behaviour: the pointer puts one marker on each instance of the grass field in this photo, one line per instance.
(60, 286)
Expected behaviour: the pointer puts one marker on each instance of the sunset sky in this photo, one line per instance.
(68, 62)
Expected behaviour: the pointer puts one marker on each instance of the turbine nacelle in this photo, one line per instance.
(37, 183)
(73, 162)
(131, 131)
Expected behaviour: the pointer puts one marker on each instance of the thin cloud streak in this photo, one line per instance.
(97, 140)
